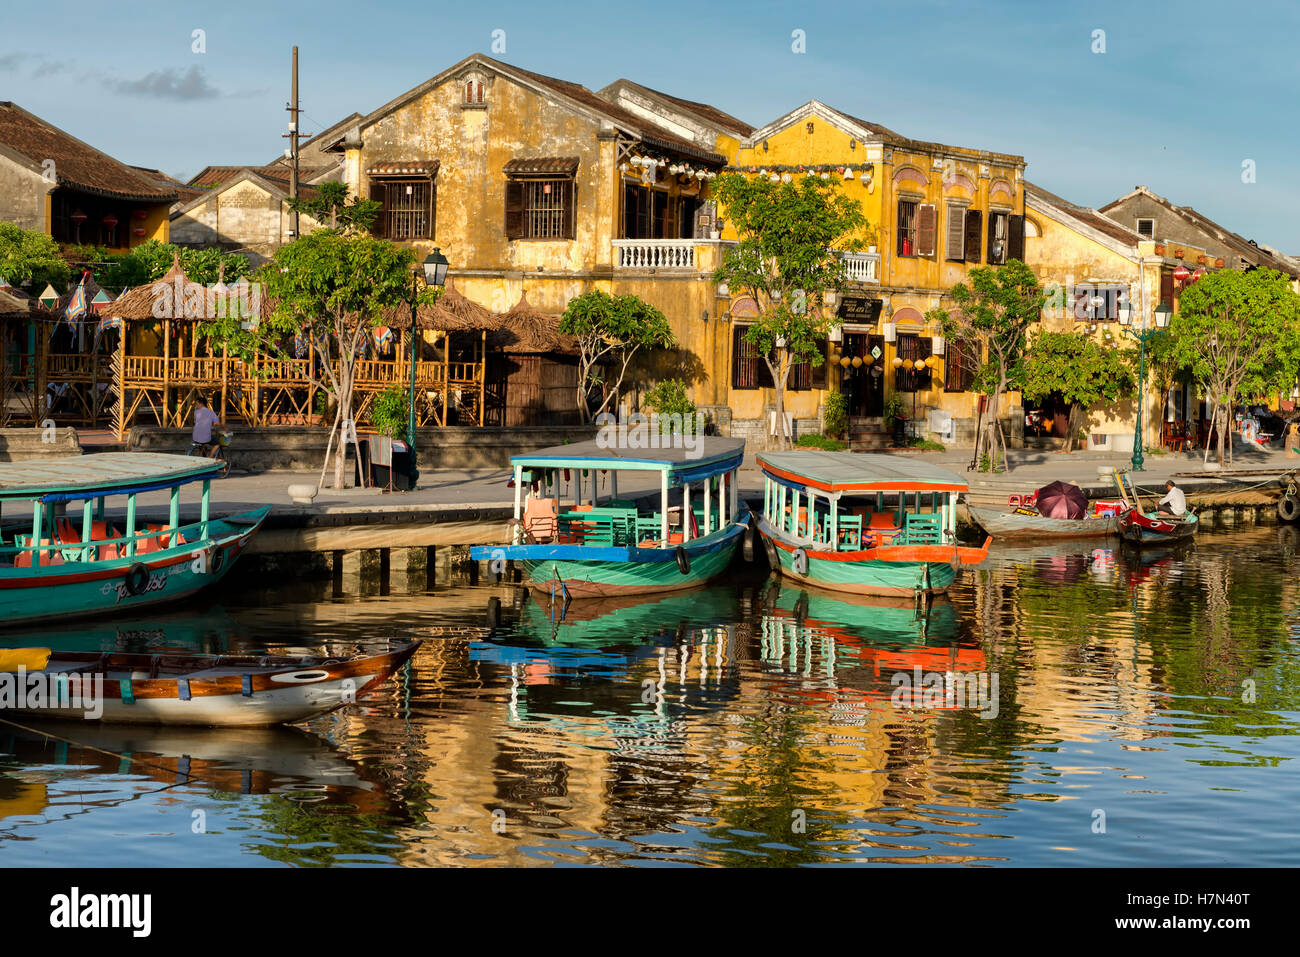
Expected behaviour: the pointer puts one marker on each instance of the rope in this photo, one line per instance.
(103, 751)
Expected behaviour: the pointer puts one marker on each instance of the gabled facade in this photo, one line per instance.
(539, 188)
(247, 212)
(934, 212)
(1175, 227)
(54, 183)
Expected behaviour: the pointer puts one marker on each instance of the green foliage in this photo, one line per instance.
(671, 401)
(925, 445)
(149, 262)
(30, 258)
(835, 418)
(787, 259)
(610, 330)
(894, 408)
(815, 441)
(1076, 367)
(333, 208)
(390, 414)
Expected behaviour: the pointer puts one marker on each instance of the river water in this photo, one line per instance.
(1105, 709)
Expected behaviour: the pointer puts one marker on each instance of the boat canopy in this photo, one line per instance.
(833, 472)
(66, 478)
(705, 457)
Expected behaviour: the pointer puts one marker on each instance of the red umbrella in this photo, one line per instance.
(1059, 500)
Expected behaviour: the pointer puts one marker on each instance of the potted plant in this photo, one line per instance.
(896, 418)
(389, 416)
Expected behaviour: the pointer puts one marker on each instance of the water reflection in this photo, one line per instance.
(755, 723)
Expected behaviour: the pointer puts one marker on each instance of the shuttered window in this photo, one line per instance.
(997, 248)
(927, 229)
(974, 235)
(1167, 287)
(748, 370)
(1016, 237)
(955, 245)
(540, 208)
(909, 348)
(960, 363)
(906, 227)
(407, 208)
(805, 375)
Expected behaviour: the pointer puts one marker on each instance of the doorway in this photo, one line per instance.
(863, 385)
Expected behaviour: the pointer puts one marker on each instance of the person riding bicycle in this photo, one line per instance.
(204, 420)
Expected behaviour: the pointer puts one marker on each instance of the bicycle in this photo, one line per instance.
(214, 450)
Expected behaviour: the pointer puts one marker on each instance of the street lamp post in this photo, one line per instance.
(435, 274)
(1143, 334)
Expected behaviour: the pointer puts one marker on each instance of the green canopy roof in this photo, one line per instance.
(856, 472)
(712, 453)
(101, 472)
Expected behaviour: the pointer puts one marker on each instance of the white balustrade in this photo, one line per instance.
(861, 267)
(654, 253)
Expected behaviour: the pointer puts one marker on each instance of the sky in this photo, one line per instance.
(1188, 99)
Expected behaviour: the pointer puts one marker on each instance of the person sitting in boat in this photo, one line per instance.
(204, 420)
(1174, 503)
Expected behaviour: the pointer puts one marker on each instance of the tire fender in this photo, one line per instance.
(137, 579)
(683, 561)
(1288, 508)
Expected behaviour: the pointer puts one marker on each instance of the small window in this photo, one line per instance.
(960, 363)
(406, 208)
(1147, 228)
(956, 244)
(472, 91)
(748, 370)
(907, 222)
(540, 208)
(998, 233)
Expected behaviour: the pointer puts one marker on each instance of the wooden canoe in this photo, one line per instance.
(1154, 529)
(1003, 525)
(205, 690)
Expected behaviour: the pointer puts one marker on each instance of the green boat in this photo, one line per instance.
(863, 524)
(678, 535)
(77, 562)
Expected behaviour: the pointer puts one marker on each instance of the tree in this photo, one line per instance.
(610, 330)
(332, 289)
(332, 208)
(1080, 370)
(1240, 334)
(30, 258)
(787, 259)
(991, 319)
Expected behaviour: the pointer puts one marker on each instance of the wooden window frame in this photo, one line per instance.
(910, 346)
(956, 215)
(960, 363)
(523, 221)
(392, 223)
(748, 370)
(1137, 227)
(907, 233)
(996, 215)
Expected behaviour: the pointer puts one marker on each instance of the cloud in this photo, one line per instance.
(169, 84)
(12, 61)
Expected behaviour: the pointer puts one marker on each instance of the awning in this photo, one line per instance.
(542, 166)
(405, 168)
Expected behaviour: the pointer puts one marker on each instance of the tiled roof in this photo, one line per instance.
(183, 193)
(710, 114)
(77, 165)
(404, 167)
(1089, 217)
(211, 176)
(540, 165)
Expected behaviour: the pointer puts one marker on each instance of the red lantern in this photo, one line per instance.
(1181, 274)
(78, 218)
(138, 231)
(110, 221)
(1199, 274)
(138, 214)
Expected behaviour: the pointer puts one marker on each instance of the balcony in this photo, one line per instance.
(655, 253)
(861, 267)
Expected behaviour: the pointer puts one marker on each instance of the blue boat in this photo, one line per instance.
(76, 562)
(677, 535)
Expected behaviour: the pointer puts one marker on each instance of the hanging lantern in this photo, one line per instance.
(139, 213)
(110, 221)
(1198, 275)
(868, 359)
(787, 178)
(857, 362)
(137, 231)
(848, 174)
(918, 365)
(929, 362)
(845, 361)
(898, 363)
(1181, 274)
(77, 218)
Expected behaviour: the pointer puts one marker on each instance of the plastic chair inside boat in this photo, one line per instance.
(922, 529)
(541, 518)
(51, 556)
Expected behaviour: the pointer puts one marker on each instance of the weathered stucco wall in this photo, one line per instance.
(22, 196)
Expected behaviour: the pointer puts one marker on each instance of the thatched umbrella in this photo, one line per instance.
(525, 330)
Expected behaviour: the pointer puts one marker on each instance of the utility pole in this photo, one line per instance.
(293, 145)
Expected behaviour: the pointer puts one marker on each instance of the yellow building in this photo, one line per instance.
(934, 211)
(540, 188)
(1091, 266)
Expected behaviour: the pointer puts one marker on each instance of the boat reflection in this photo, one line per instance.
(288, 762)
(208, 630)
